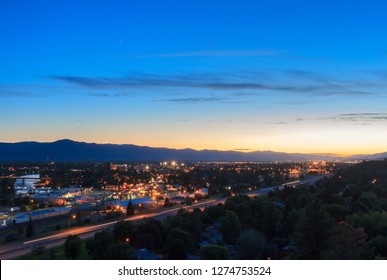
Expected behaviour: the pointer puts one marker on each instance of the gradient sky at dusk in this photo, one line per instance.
(290, 76)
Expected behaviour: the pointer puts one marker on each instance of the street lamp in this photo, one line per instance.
(71, 216)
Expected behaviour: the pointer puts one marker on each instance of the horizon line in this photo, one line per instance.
(239, 150)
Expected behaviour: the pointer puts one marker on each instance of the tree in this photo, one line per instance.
(243, 212)
(374, 222)
(271, 220)
(266, 217)
(230, 227)
(39, 253)
(121, 251)
(144, 240)
(101, 245)
(130, 208)
(312, 232)
(183, 236)
(215, 212)
(7, 191)
(79, 218)
(290, 222)
(368, 201)
(250, 244)
(193, 224)
(213, 252)
(329, 188)
(30, 230)
(52, 254)
(123, 232)
(177, 250)
(73, 246)
(346, 243)
(151, 230)
(378, 245)
(167, 203)
(338, 212)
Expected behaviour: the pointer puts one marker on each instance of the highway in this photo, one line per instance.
(17, 249)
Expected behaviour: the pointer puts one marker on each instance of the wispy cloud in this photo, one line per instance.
(330, 85)
(200, 99)
(146, 81)
(293, 82)
(209, 53)
(15, 93)
(243, 150)
(119, 94)
(31, 90)
(293, 87)
(363, 118)
(243, 94)
(353, 118)
(363, 124)
(9, 93)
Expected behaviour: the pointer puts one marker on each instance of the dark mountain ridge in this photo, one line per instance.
(69, 150)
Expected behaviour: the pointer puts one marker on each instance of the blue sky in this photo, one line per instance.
(292, 76)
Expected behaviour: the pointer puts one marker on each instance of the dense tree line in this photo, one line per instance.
(7, 191)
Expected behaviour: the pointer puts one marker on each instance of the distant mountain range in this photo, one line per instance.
(378, 156)
(68, 150)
